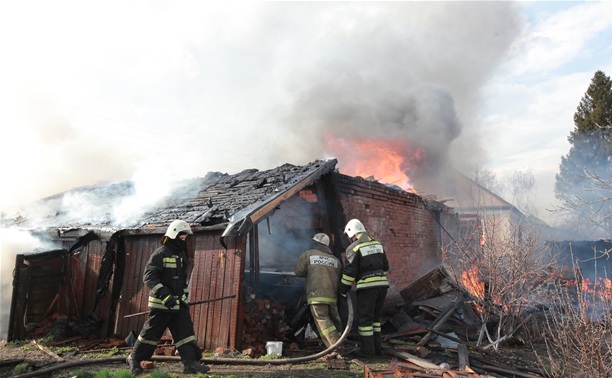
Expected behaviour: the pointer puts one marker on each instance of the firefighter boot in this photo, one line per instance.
(378, 350)
(195, 367)
(134, 365)
(367, 347)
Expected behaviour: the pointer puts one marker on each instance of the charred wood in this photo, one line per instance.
(505, 370)
(464, 359)
(440, 321)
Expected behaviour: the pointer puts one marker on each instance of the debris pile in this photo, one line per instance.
(264, 320)
(57, 326)
(439, 316)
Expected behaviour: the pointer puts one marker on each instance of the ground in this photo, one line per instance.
(19, 359)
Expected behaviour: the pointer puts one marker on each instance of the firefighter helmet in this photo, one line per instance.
(354, 226)
(321, 238)
(177, 227)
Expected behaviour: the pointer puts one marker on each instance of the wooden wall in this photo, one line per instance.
(216, 273)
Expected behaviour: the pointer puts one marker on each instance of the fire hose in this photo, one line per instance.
(190, 304)
(209, 360)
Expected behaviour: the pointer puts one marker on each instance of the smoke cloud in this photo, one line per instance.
(155, 92)
(12, 243)
(177, 90)
(407, 73)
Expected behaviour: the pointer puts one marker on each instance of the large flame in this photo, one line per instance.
(387, 161)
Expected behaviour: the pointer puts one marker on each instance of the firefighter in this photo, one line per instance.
(322, 271)
(366, 267)
(166, 276)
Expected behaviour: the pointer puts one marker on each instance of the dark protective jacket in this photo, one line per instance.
(166, 274)
(367, 265)
(322, 271)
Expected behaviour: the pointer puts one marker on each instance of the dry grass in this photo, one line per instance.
(578, 332)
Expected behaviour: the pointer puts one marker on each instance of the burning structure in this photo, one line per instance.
(249, 229)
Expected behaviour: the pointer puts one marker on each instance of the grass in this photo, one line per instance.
(22, 369)
(271, 357)
(121, 373)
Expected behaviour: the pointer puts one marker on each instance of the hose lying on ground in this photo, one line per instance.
(208, 360)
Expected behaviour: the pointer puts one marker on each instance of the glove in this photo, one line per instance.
(170, 301)
(163, 292)
(343, 289)
(185, 300)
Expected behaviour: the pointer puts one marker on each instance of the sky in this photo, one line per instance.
(155, 91)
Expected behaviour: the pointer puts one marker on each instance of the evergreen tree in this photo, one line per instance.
(584, 181)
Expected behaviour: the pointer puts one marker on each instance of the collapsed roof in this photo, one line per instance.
(218, 200)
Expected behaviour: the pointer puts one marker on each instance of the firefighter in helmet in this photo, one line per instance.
(322, 271)
(367, 268)
(166, 276)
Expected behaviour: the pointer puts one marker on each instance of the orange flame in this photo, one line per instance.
(606, 285)
(388, 161)
(473, 284)
(602, 287)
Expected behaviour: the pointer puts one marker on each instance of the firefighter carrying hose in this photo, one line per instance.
(367, 267)
(166, 276)
(322, 271)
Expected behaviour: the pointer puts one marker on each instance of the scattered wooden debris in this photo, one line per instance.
(410, 370)
(437, 282)
(442, 317)
(439, 315)
(431, 367)
(65, 341)
(464, 358)
(11, 362)
(46, 350)
(509, 371)
(420, 351)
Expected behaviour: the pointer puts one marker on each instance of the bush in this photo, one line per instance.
(578, 330)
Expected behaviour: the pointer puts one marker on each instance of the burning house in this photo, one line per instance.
(249, 229)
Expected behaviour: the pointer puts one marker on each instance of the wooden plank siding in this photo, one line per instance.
(217, 273)
(36, 281)
(134, 295)
(85, 283)
(43, 286)
(76, 283)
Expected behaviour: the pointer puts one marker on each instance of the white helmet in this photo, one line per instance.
(354, 226)
(321, 238)
(176, 227)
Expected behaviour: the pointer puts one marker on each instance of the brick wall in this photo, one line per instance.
(409, 232)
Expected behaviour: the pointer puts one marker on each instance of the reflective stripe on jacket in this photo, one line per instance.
(322, 271)
(166, 268)
(369, 265)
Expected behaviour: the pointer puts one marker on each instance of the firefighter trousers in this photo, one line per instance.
(328, 322)
(369, 310)
(180, 326)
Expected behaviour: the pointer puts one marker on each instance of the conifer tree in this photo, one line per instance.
(584, 182)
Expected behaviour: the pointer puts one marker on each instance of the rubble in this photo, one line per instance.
(438, 315)
(264, 321)
(437, 319)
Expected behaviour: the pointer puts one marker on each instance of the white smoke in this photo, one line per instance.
(190, 88)
(12, 243)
